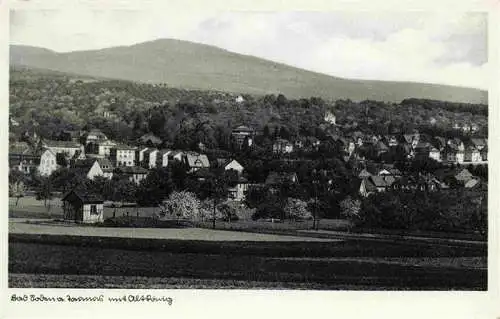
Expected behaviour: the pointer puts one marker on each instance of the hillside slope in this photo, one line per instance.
(197, 66)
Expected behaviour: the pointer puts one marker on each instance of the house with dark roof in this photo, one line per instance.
(373, 184)
(23, 158)
(196, 161)
(82, 207)
(90, 168)
(135, 174)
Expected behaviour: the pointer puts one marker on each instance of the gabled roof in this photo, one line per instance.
(84, 196)
(464, 174)
(378, 181)
(197, 160)
(61, 144)
(85, 164)
(104, 162)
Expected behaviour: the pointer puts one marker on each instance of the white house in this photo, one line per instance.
(123, 155)
(48, 163)
(104, 147)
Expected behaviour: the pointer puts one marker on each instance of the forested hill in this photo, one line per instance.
(190, 65)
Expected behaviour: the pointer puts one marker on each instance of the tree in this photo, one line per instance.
(297, 209)
(45, 191)
(182, 205)
(16, 184)
(124, 190)
(350, 209)
(155, 187)
(216, 188)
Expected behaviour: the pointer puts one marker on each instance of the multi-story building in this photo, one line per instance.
(122, 155)
(48, 163)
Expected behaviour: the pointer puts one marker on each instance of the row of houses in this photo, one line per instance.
(417, 146)
(385, 177)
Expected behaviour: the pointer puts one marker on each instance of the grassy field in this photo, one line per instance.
(29, 207)
(153, 233)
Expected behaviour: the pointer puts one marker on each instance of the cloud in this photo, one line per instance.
(447, 48)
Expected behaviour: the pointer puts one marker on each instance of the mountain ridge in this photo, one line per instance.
(191, 65)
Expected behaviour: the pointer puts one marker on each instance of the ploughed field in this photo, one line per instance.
(112, 262)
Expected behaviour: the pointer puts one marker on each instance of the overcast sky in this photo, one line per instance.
(421, 47)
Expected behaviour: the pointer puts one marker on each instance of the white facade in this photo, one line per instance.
(123, 156)
(476, 156)
(105, 148)
(234, 165)
(152, 159)
(435, 155)
(48, 163)
(94, 171)
(93, 213)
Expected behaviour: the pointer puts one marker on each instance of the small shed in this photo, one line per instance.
(82, 207)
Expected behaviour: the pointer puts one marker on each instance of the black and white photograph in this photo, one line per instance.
(248, 150)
